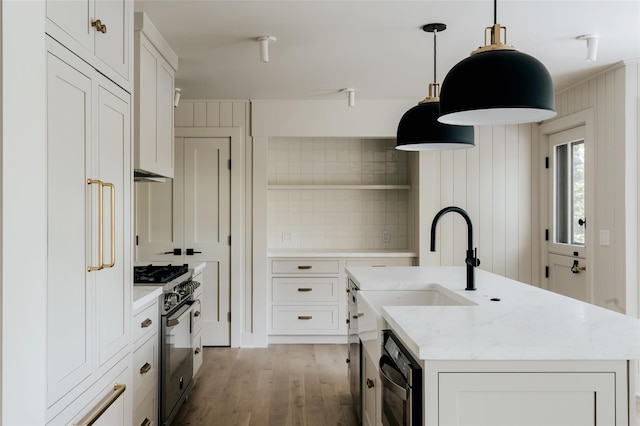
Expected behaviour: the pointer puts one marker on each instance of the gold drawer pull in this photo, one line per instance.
(305, 317)
(145, 368)
(305, 289)
(100, 27)
(197, 351)
(146, 323)
(94, 415)
(304, 266)
(146, 422)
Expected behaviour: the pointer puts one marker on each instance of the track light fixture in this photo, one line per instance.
(264, 47)
(592, 45)
(497, 84)
(419, 129)
(351, 96)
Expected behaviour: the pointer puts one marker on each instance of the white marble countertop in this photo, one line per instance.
(528, 323)
(143, 294)
(338, 253)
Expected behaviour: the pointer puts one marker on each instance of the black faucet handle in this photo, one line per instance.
(473, 259)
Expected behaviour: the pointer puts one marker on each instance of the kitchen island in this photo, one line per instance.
(514, 354)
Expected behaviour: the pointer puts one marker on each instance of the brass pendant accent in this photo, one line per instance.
(496, 43)
(434, 94)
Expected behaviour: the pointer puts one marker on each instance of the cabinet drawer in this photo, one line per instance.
(196, 344)
(381, 261)
(146, 412)
(196, 317)
(305, 289)
(304, 266)
(145, 322)
(145, 367)
(323, 317)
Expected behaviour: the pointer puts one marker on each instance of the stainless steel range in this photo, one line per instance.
(176, 355)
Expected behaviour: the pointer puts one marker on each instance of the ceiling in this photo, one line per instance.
(376, 47)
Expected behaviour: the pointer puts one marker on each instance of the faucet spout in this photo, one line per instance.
(471, 260)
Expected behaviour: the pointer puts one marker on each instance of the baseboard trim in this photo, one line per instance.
(290, 340)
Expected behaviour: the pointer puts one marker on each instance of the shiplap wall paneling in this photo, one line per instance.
(213, 114)
(613, 95)
(493, 183)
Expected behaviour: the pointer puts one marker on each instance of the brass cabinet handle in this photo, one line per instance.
(197, 351)
(305, 289)
(146, 323)
(112, 236)
(94, 415)
(370, 383)
(304, 317)
(304, 266)
(146, 422)
(145, 368)
(99, 26)
(100, 224)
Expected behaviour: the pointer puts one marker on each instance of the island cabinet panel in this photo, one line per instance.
(104, 45)
(371, 391)
(88, 234)
(504, 393)
(145, 339)
(551, 399)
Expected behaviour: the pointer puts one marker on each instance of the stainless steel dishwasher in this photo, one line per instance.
(401, 377)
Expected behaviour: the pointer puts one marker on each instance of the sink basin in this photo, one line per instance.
(433, 295)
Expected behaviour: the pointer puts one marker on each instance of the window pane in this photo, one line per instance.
(562, 181)
(577, 192)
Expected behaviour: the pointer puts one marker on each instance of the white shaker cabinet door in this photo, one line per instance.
(112, 47)
(69, 293)
(113, 283)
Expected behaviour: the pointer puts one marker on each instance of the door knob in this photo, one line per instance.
(191, 252)
(370, 383)
(577, 268)
(175, 252)
(582, 221)
(100, 27)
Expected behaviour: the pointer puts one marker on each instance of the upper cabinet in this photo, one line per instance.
(96, 30)
(155, 67)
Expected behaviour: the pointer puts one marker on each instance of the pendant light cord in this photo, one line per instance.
(495, 12)
(435, 32)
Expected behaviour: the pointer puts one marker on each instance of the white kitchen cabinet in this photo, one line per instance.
(196, 326)
(371, 391)
(501, 393)
(145, 364)
(155, 68)
(88, 233)
(104, 45)
(307, 296)
(191, 216)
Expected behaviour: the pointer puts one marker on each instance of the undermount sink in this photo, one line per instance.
(432, 295)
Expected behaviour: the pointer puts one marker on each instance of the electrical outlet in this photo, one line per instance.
(386, 236)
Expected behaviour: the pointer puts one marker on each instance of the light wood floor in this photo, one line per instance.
(282, 385)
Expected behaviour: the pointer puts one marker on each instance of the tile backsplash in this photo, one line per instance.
(332, 218)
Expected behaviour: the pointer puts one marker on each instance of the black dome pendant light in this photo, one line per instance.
(497, 84)
(419, 129)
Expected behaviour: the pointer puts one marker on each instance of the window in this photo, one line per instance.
(569, 193)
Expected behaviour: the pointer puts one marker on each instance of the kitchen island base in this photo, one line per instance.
(502, 393)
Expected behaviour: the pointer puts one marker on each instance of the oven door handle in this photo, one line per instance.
(175, 321)
(389, 383)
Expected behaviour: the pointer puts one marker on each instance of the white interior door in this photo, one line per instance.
(207, 229)
(567, 250)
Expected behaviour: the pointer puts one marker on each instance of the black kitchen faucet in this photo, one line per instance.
(472, 260)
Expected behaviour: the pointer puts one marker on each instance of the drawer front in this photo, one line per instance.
(305, 289)
(382, 261)
(145, 322)
(146, 412)
(196, 344)
(304, 266)
(145, 367)
(309, 318)
(196, 317)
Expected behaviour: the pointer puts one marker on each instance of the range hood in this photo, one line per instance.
(143, 176)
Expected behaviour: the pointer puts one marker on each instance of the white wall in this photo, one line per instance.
(613, 96)
(494, 183)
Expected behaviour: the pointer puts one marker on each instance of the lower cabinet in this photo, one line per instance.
(308, 299)
(550, 393)
(196, 327)
(371, 392)
(145, 364)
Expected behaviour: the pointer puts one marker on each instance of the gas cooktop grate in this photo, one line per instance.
(158, 273)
